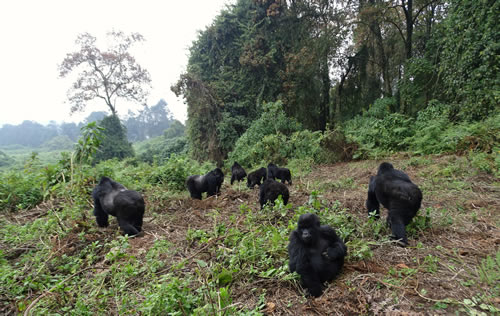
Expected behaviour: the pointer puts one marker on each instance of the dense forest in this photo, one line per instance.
(327, 89)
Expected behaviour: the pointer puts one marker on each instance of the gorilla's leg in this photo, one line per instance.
(398, 228)
(101, 217)
(127, 227)
(312, 283)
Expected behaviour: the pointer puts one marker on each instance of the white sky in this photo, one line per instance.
(36, 35)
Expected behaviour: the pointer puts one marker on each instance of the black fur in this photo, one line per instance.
(394, 189)
(316, 253)
(256, 176)
(283, 174)
(210, 183)
(270, 190)
(237, 173)
(112, 198)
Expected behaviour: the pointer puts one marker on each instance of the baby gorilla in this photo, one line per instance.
(210, 183)
(256, 176)
(283, 174)
(270, 190)
(237, 173)
(394, 189)
(112, 198)
(316, 253)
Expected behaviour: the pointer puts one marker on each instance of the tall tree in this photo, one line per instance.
(105, 74)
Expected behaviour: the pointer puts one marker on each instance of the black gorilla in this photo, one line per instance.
(237, 172)
(210, 183)
(112, 198)
(283, 174)
(394, 189)
(270, 190)
(256, 176)
(316, 253)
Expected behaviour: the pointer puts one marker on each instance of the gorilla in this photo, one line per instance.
(270, 190)
(112, 198)
(283, 174)
(237, 172)
(256, 176)
(210, 183)
(394, 189)
(316, 253)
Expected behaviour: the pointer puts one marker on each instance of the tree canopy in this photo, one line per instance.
(105, 74)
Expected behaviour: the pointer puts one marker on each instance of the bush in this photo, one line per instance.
(114, 143)
(174, 171)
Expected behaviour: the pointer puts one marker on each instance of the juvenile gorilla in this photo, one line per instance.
(210, 183)
(394, 189)
(237, 172)
(256, 176)
(112, 198)
(316, 253)
(283, 174)
(270, 190)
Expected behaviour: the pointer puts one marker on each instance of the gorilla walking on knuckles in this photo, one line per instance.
(394, 189)
(270, 190)
(210, 183)
(316, 253)
(283, 174)
(237, 173)
(256, 176)
(112, 198)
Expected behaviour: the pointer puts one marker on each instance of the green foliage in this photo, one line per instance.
(378, 131)
(89, 142)
(470, 58)
(160, 148)
(175, 170)
(114, 142)
(5, 160)
(20, 191)
(61, 142)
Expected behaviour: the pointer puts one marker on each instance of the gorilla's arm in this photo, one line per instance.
(372, 204)
(100, 216)
(336, 248)
(298, 254)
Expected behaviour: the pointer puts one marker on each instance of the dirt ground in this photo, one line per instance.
(394, 281)
(364, 287)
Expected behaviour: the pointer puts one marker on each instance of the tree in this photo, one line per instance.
(106, 75)
(114, 143)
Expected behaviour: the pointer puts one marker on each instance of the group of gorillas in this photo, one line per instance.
(316, 252)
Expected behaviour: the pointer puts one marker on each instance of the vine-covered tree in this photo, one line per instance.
(105, 74)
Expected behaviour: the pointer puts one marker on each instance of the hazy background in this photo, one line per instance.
(36, 36)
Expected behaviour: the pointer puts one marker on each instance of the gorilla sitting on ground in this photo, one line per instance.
(316, 253)
(270, 190)
(112, 198)
(394, 189)
(256, 176)
(210, 183)
(237, 172)
(283, 174)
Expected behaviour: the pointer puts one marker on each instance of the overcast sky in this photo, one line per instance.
(36, 35)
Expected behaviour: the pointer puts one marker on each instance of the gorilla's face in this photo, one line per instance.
(308, 228)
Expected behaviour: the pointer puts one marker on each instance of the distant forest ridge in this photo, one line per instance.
(149, 122)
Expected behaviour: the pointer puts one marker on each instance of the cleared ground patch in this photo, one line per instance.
(224, 256)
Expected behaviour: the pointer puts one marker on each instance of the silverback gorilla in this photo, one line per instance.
(283, 174)
(394, 189)
(256, 176)
(237, 173)
(210, 183)
(270, 190)
(316, 253)
(112, 198)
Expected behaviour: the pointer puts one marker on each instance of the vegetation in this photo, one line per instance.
(328, 89)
